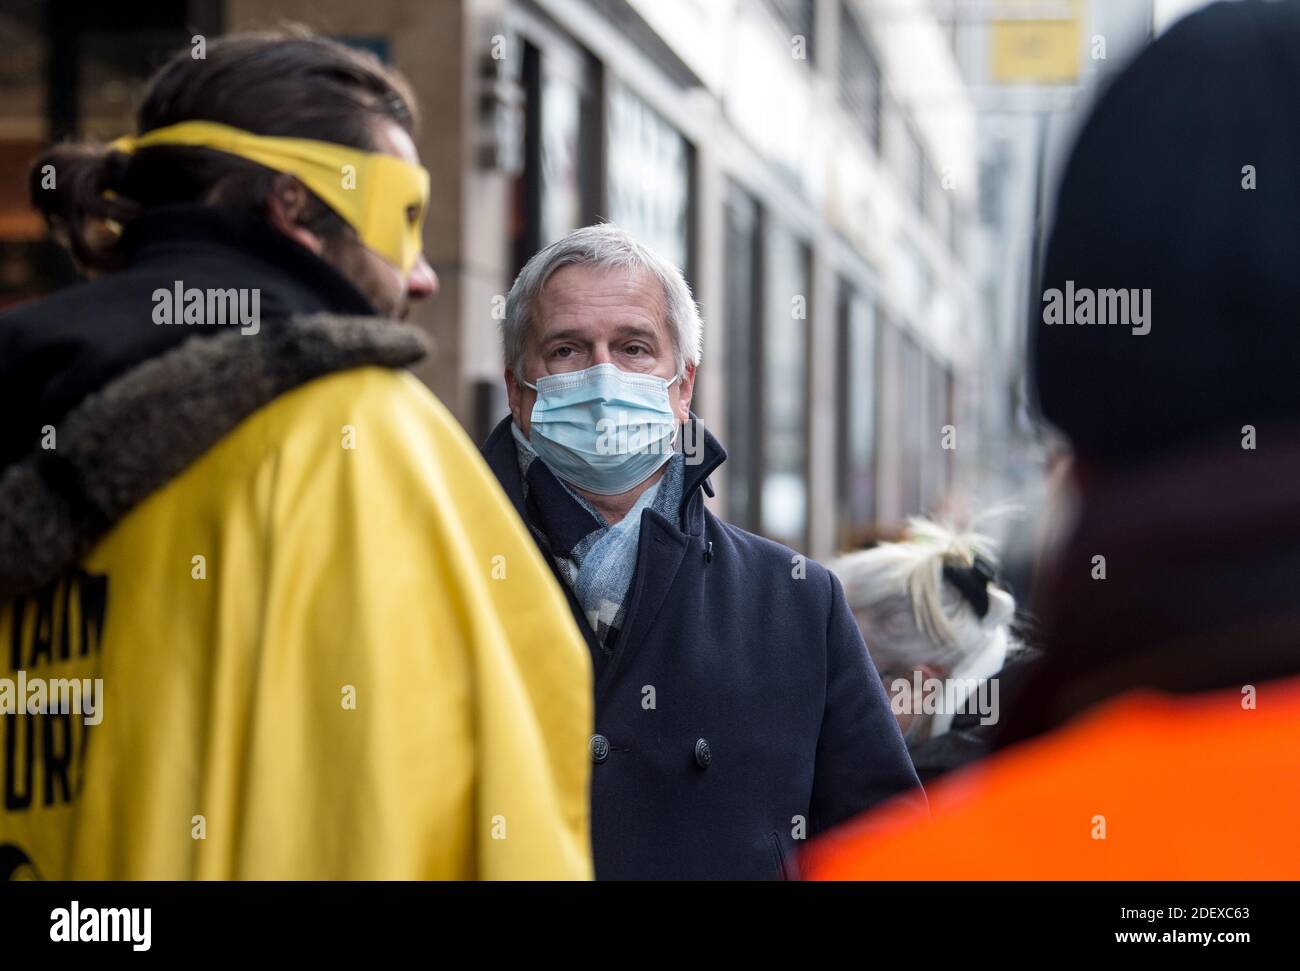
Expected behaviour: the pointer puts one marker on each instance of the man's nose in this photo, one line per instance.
(600, 355)
(423, 282)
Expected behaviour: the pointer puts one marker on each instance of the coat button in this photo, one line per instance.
(703, 756)
(599, 748)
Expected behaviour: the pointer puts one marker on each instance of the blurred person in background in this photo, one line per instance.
(1158, 738)
(737, 710)
(271, 547)
(935, 616)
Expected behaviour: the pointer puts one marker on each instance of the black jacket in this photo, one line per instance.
(769, 723)
(57, 350)
(968, 740)
(131, 402)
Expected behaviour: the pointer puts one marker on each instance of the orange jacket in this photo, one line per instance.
(1147, 787)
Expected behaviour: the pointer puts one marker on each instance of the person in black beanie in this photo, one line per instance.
(1156, 740)
(1186, 437)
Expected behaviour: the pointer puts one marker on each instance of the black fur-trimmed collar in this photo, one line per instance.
(138, 432)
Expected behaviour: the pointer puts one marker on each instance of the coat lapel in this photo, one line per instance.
(659, 557)
(660, 553)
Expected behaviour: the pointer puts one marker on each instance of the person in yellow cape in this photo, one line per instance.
(264, 611)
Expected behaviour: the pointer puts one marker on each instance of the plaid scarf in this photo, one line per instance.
(595, 559)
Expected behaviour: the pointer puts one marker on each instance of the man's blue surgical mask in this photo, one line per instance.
(602, 429)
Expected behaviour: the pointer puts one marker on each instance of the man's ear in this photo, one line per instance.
(285, 207)
(515, 396)
(686, 393)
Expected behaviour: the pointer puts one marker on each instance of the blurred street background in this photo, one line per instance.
(856, 189)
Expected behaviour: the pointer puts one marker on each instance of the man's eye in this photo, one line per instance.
(562, 351)
(412, 214)
(636, 349)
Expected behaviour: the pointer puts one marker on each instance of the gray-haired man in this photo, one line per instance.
(737, 710)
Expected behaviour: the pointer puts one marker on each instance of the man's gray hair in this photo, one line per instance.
(608, 246)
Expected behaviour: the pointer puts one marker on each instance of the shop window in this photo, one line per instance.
(856, 432)
(786, 309)
(743, 358)
(648, 173)
(860, 81)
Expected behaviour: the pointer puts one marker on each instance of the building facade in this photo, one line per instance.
(813, 165)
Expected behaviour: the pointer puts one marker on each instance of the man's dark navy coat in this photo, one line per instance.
(739, 711)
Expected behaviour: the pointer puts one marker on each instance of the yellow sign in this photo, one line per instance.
(1036, 51)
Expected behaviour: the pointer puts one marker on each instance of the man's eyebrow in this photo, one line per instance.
(566, 334)
(622, 331)
(636, 330)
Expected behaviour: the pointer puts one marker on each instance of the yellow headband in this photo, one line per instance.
(382, 197)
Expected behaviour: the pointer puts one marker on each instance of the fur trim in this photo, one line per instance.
(142, 429)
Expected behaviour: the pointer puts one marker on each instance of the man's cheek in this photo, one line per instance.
(385, 280)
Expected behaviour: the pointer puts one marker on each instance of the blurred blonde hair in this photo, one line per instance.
(912, 617)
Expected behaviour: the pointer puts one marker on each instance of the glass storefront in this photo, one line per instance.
(784, 420)
(561, 157)
(861, 89)
(557, 192)
(743, 249)
(858, 389)
(648, 174)
(914, 433)
(939, 412)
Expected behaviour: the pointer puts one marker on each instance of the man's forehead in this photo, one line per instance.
(609, 295)
(392, 139)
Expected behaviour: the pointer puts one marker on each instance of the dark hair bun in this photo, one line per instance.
(70, 185)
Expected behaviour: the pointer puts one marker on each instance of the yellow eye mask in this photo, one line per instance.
(382, 197)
